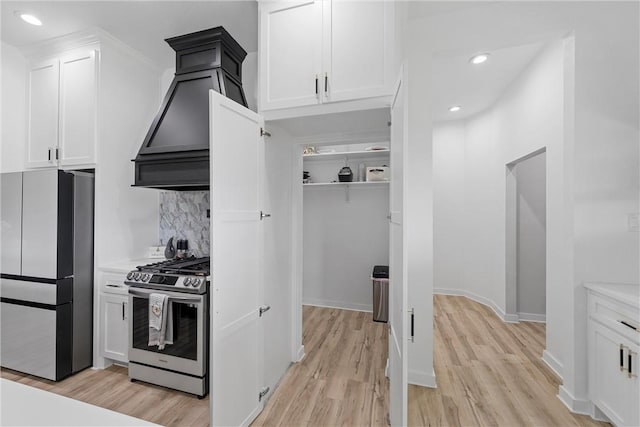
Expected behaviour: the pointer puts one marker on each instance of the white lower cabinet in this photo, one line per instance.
(614, 387)
(114, 319)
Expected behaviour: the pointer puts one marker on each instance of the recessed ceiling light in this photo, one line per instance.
(479, 58)
(455, 108)
(26, 17)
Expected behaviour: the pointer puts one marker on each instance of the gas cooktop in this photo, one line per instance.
(180, 275)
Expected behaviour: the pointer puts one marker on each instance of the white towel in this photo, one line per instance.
(160, 321)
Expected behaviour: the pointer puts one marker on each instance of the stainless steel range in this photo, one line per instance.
(182, 363)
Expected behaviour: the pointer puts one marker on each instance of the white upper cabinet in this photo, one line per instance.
(319, 52)
(357, 58)
(62, 111)
(290, 53)
(78, 96)
(43, 114)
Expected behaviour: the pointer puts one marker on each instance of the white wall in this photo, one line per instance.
(531, 227)
(343, 240)
(14, 109)
(599, 163)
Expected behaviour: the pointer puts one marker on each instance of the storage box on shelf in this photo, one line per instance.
(323, 52)
(613, 346)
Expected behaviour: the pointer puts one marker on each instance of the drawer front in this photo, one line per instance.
(611, 314)
(59, 292)
(113, 284)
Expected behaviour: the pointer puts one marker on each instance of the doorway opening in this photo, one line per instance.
(526, 245)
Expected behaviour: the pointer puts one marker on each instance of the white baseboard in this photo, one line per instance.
(531, 317)
(553, 363)
(422, 379)
(509, 318)
(578, 406)
(337, 304)
(299, 354)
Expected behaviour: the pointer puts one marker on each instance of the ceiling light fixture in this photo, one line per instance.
(479, 58)
(455, 108)
(26, 17)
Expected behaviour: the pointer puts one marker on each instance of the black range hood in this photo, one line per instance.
(175, 152)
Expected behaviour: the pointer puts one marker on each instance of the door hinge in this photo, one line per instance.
(263, 393)
(263, 309)
(264, 132)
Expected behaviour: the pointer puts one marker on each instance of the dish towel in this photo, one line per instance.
(160, 321)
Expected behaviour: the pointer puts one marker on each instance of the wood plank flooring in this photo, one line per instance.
(111, 389)
(488, 373)
(341, 381)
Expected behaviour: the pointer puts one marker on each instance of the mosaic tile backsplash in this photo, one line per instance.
(183, 215)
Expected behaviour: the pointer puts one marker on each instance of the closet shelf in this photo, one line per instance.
(348, 184)
(347, 154)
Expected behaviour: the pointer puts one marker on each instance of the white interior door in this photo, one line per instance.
(237, 169)
(398, 307)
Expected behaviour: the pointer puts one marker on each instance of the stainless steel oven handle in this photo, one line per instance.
(145, 294)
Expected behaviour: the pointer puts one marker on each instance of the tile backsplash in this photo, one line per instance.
(183, 215)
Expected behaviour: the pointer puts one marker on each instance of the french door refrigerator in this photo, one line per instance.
(46, 265)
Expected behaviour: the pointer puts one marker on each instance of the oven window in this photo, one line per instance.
(185, 329)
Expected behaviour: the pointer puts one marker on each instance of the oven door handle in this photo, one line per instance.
(145, 294)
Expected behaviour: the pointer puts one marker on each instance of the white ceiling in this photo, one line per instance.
(142, 25)
(476, 87)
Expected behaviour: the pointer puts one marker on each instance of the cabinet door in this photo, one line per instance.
(612, 390)
(78, 95)
(115, 337)
(290, 53)
(357, 57)
(43, 114)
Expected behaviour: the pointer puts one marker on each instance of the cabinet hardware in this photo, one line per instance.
(621, 358)
(123, 310)
(316, 85)
(57, 153)
(49, 154)
(628, 325)
(263, 393)
(264, 215)
(263, 309)
(413, 315)
(326, 83)
(264, 132)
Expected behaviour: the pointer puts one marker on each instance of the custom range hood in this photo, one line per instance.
(175, 152)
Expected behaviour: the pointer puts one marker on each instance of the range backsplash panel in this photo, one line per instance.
(183, 215)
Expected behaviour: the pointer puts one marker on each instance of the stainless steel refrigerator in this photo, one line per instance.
(46, 265)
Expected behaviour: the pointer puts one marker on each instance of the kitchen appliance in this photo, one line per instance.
(345, 174)
(377, 173)
(380, 278)
(175, 152)
(46, 283)
(182, 365)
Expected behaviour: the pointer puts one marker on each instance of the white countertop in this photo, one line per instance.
(127, 265)
(22, 405)
(625, 293)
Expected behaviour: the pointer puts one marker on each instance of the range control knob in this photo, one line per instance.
(145, 277)
(196, 282)
(130, 275)
(187, 281)
(136, 276)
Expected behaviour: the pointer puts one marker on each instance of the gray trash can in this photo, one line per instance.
(380, 279)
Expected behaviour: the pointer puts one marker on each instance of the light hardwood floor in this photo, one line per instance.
(488, 373)
(340, 381)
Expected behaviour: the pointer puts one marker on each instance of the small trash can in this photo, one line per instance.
(380, 278)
